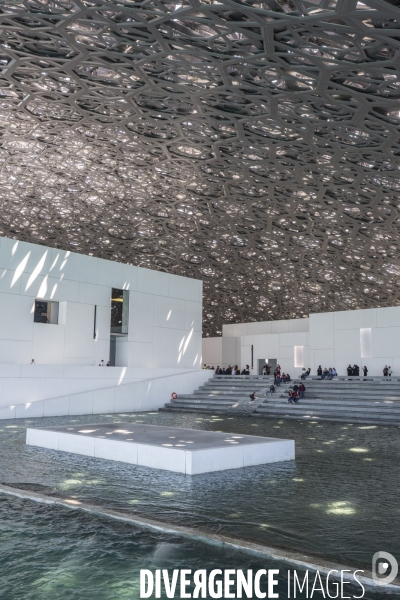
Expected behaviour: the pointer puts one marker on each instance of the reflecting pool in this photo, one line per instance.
(338, 499)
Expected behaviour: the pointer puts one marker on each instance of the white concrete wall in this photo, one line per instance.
(328, 339)
(212, 351)
(148, 392)
(164, 313)
(27, 384)
(335, 339)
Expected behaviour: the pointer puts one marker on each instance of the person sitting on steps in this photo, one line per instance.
(252, 397)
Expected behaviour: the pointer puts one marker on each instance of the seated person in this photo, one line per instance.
(246, 371)
(271, 390)
(308, 372)
(325, 373)
(334, 372)
(252, 397)
(288, 378)
(295, 397)
(290, 396)
(295, 388)
(303, 373)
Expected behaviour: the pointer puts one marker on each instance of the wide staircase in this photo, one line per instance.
(372, 400)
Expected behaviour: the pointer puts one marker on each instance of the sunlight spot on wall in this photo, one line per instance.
(195, 360)
(187, 341)
(169, 314)
(53, 291)
(54, 262)
(20, 269)
(43, 288)
(37, 270)
(14, 248)
(121, 377)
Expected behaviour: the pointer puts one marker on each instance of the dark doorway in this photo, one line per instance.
(113, 346)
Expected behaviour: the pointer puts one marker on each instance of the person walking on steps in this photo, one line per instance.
(252, 397)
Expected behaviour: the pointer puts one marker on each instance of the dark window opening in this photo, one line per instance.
(119, 311)
(46, 312)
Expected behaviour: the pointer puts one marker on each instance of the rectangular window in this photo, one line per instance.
(365, 343)
(46, 312)
(119, 311)
(299, 356)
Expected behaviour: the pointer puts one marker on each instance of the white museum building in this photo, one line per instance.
(70, 312)
(334, 339)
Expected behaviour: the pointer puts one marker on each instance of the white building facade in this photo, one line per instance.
(70, 312)
(335, 339)
(164, 313)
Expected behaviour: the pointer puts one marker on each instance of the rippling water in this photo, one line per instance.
(338, 499)
(51, 553)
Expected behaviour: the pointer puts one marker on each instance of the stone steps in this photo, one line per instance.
(372, 402)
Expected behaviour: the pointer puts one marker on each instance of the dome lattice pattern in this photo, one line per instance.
(254, 145)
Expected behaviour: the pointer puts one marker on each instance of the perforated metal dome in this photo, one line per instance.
(254, 145)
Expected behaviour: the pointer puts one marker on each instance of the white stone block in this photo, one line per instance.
(77, 444)
(273, 451)
(44, 438)
(170, 448)
(115, 450)
(214, 459)
(168, 459)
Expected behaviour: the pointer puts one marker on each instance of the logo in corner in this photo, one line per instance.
(384, 568)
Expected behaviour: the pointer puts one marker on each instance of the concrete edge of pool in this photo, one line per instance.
(296, 558)
(187, 451)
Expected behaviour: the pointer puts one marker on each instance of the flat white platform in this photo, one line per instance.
(186, 451)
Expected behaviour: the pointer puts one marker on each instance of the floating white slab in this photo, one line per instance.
(186, 451)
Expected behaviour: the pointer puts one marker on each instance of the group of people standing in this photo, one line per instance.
(387, 371)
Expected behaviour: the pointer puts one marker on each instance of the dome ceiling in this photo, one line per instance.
(254, 145)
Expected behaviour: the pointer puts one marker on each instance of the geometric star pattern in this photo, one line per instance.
(254, 145)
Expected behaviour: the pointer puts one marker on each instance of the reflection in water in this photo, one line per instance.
(329, 501)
